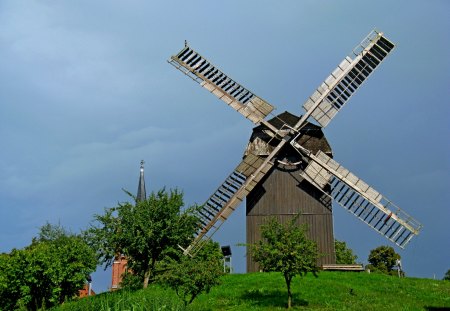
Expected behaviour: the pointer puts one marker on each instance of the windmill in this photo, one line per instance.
(311, 165)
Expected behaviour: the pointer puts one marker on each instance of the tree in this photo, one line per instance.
(344, 254)
(382, 259)
(189, 277)
(11, 279)
(447, 275)
(145, 232)
(51, 233)
(46, 273)
(285, 248)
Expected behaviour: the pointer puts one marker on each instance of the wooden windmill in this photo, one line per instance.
(290, 145)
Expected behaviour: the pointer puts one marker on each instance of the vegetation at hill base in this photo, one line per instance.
(49, 272)
(383, 259)
(145, 232)
(190, 276)
(267, 291)
(148, 233)
(344, 254)
(447, 275)
(46, 273)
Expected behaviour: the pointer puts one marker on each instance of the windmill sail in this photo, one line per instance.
(360, 199)
(336, 90)
(214, 80)
(227, 197)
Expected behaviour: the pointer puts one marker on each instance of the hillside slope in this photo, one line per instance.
(266, 291)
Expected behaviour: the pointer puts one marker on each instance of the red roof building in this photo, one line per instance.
(86, 291)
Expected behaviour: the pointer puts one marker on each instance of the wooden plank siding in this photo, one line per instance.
(283, 195)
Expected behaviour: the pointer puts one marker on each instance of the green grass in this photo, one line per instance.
(267, 291)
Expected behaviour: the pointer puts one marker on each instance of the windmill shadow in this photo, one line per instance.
(312, 191)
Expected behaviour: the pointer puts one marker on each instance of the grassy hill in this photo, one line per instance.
(267, 291)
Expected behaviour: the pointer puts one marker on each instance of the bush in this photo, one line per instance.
(344, 254)
(189, 277)
(383, 259)
(447, 275)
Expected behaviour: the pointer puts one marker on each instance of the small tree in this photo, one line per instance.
(145, 232)
(285, 248)
(344, 254)
(189, 277)
(382, 259)
(447, 275)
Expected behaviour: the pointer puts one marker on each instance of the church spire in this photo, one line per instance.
(141, 194)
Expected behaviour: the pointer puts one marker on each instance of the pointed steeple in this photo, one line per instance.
(141, 194)
(119, 266)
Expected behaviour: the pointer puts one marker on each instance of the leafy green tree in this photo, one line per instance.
(11, 279)
(131, 281)
(382, 259)
(49, 233)
(447, 275)
(285, 248)
(46, 273)
(145, 232)
(344, 254)
(189, 277)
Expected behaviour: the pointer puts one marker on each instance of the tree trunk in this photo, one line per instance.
(288, 285)
(149, 272)
(146, 278)
(192, 298)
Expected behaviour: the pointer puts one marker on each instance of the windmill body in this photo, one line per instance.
(285, 146)
(283, 193)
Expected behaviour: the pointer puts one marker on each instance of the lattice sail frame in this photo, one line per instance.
(219, 206)
(225, 88)
(360, 199)
(340, 85)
